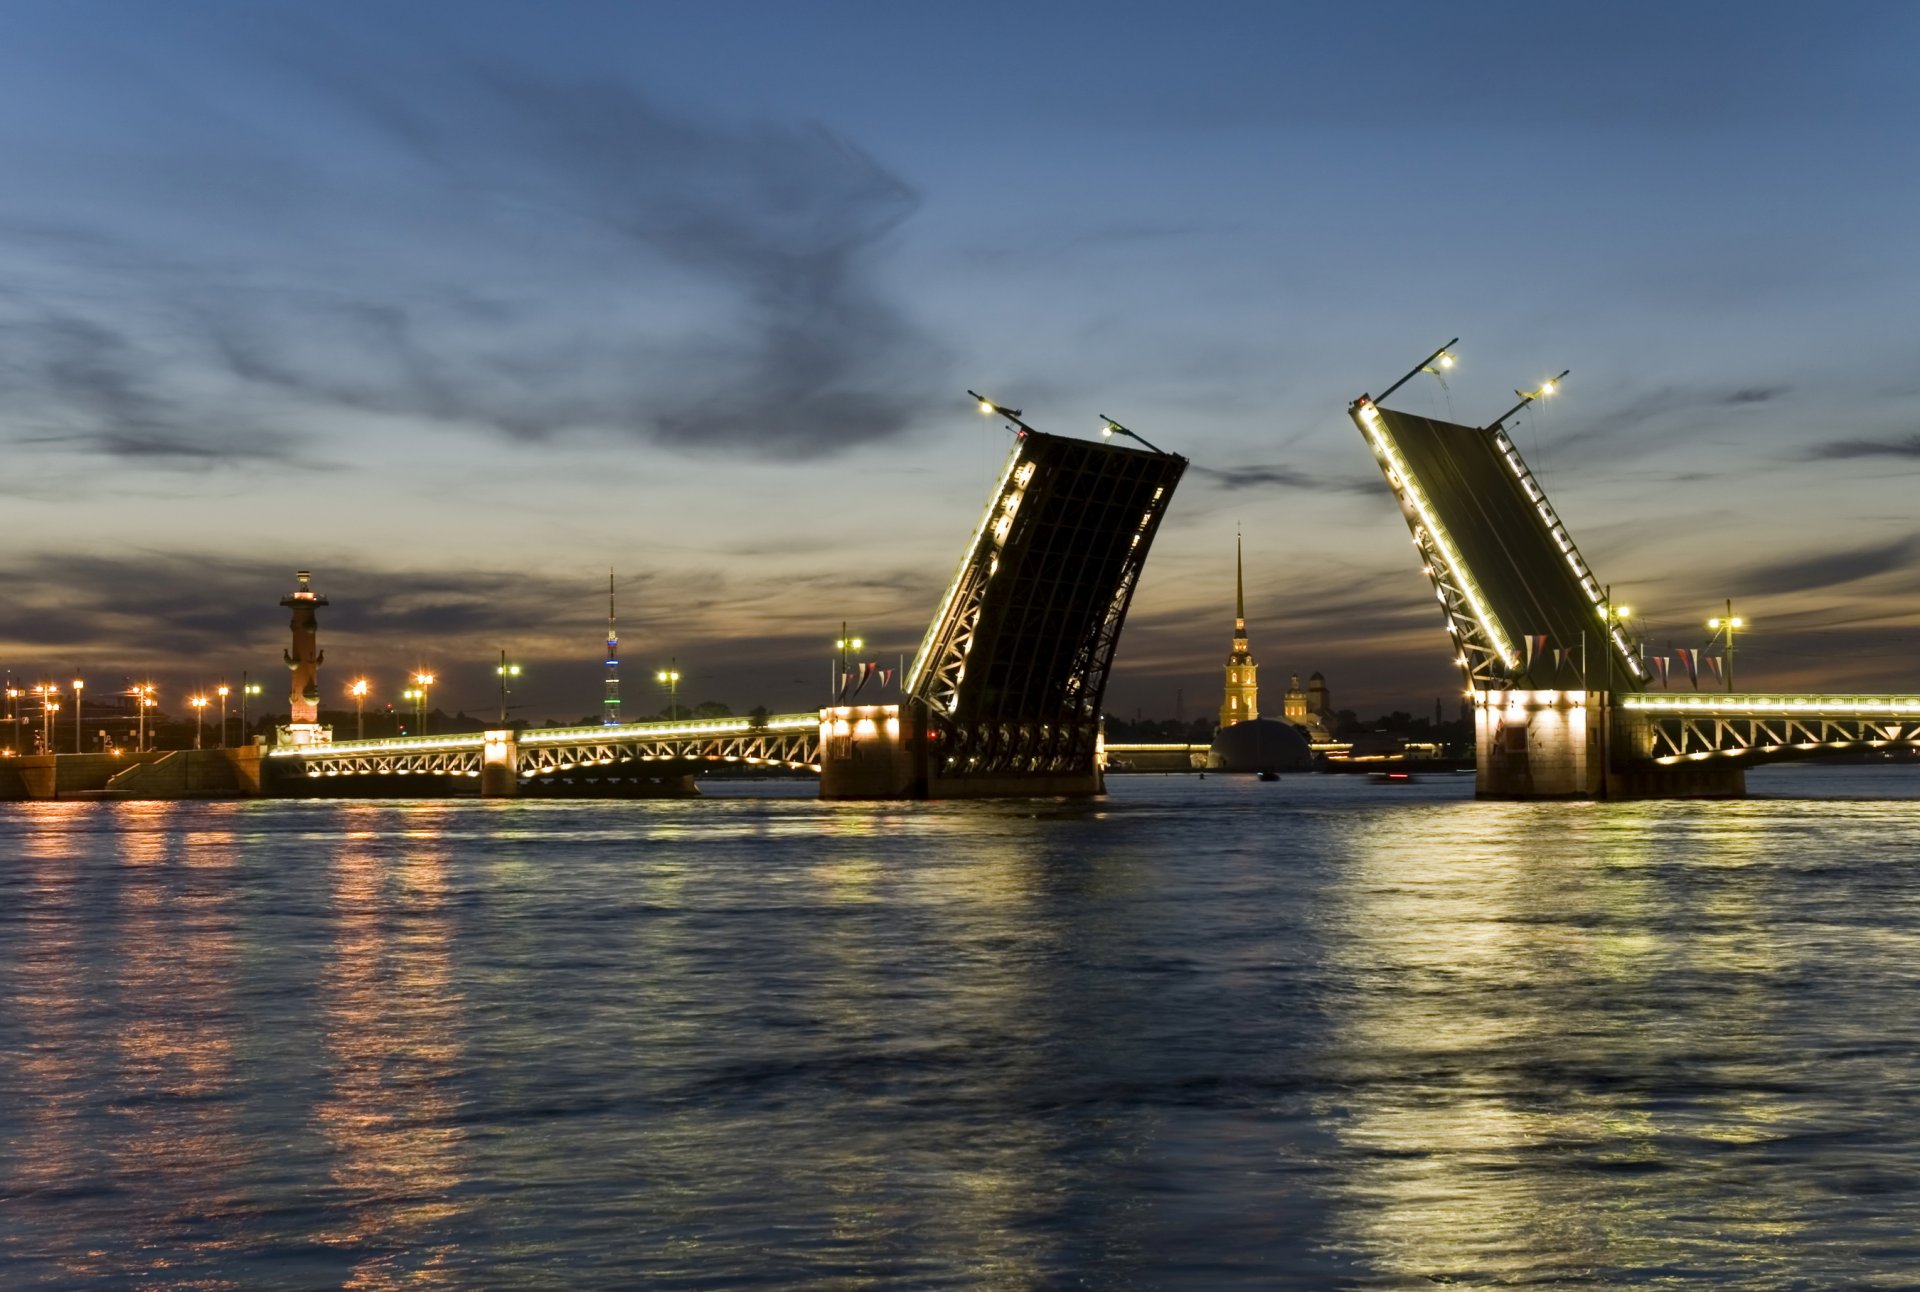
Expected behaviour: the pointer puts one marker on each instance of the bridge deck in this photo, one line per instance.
(1505, 537)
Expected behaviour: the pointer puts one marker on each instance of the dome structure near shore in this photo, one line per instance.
(1260, 745)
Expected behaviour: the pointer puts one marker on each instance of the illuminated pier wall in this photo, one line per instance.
(1552, 744)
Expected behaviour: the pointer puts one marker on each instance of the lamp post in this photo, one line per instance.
(246, 689)
(504, 672)
(845, 645)
(671, 676)
(142, 701)
(359, 693)
(412, 694)
(79, 686)
(1729, 622)
(48, 707)
(223, 691)
(199, 703)
(422, 680)
(13, 719)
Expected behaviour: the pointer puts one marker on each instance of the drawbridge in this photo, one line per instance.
(1561, 688)
(1003, 697)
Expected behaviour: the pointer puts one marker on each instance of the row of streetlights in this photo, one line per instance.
(1729, 623)
(144, 695)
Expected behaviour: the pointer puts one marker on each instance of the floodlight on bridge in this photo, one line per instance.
(992, 409)
(1110, 428)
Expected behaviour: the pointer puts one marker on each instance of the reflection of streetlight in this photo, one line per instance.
(199, 703)
(359, 693)
(79, 685)
(422, 680)
(671, 676)
(505, 671)
(223, 690)
(1729, 622)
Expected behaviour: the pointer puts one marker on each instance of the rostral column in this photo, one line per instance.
(304, 660)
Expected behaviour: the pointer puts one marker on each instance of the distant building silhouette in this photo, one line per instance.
(1242, 701)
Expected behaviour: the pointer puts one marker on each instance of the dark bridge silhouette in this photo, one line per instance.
(1558, 680)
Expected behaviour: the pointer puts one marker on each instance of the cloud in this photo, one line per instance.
(1832, 569)
(1836, 450)
(74, 381)
(490, 251)
(757, 244)
(1274, 476)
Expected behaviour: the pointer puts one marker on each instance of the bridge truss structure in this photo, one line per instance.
(1751, 729)
(784, 740)
(1010, 677)
(1528, 618)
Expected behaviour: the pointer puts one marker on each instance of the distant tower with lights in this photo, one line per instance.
(1242, 702)
(303, 661)
(611, 717)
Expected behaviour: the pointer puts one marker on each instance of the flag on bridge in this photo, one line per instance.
(1662, 666)
(1560, 654)
(886, 677)
(1690, 660)
(1715, 663)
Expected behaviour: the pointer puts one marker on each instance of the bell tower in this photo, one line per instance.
(1242, 701)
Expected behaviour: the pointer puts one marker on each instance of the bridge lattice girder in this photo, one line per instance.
(788, 740)
(1758, 729)
(1014, 666)
(1502, 564)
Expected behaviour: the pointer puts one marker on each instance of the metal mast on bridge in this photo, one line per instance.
(611, 715)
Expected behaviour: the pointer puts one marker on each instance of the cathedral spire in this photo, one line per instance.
(1239, 588)
(1242, 699)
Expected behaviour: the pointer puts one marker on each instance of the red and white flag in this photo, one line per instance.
(1662, 668)
(1560, 654)
(1690, 660)
(1715, 663)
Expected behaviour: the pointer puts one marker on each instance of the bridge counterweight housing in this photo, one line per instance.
(1003, 698)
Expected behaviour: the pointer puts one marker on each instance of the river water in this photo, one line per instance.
(1201, 1034)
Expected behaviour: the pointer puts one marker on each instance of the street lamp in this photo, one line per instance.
(246, 689)
(671, 676)
(48, 707)
(223, 690)
(837, 685)
(143, 700)
(359, 693)
(199, 703)
(79, 685)
(505, 671)
(1110, 428)
(13, 719)
(1729, 622)
(422, 681)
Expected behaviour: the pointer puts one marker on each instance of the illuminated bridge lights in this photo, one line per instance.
(1431, 531)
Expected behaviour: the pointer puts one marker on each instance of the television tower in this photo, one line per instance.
(612, 716)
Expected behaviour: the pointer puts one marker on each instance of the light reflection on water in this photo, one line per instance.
(1204, 1034)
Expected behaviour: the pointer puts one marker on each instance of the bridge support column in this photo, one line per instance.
(500, 766)
(1537, 745)
(872, 751)
(1575, 745)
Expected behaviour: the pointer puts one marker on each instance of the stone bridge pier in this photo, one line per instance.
(1552, 744)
